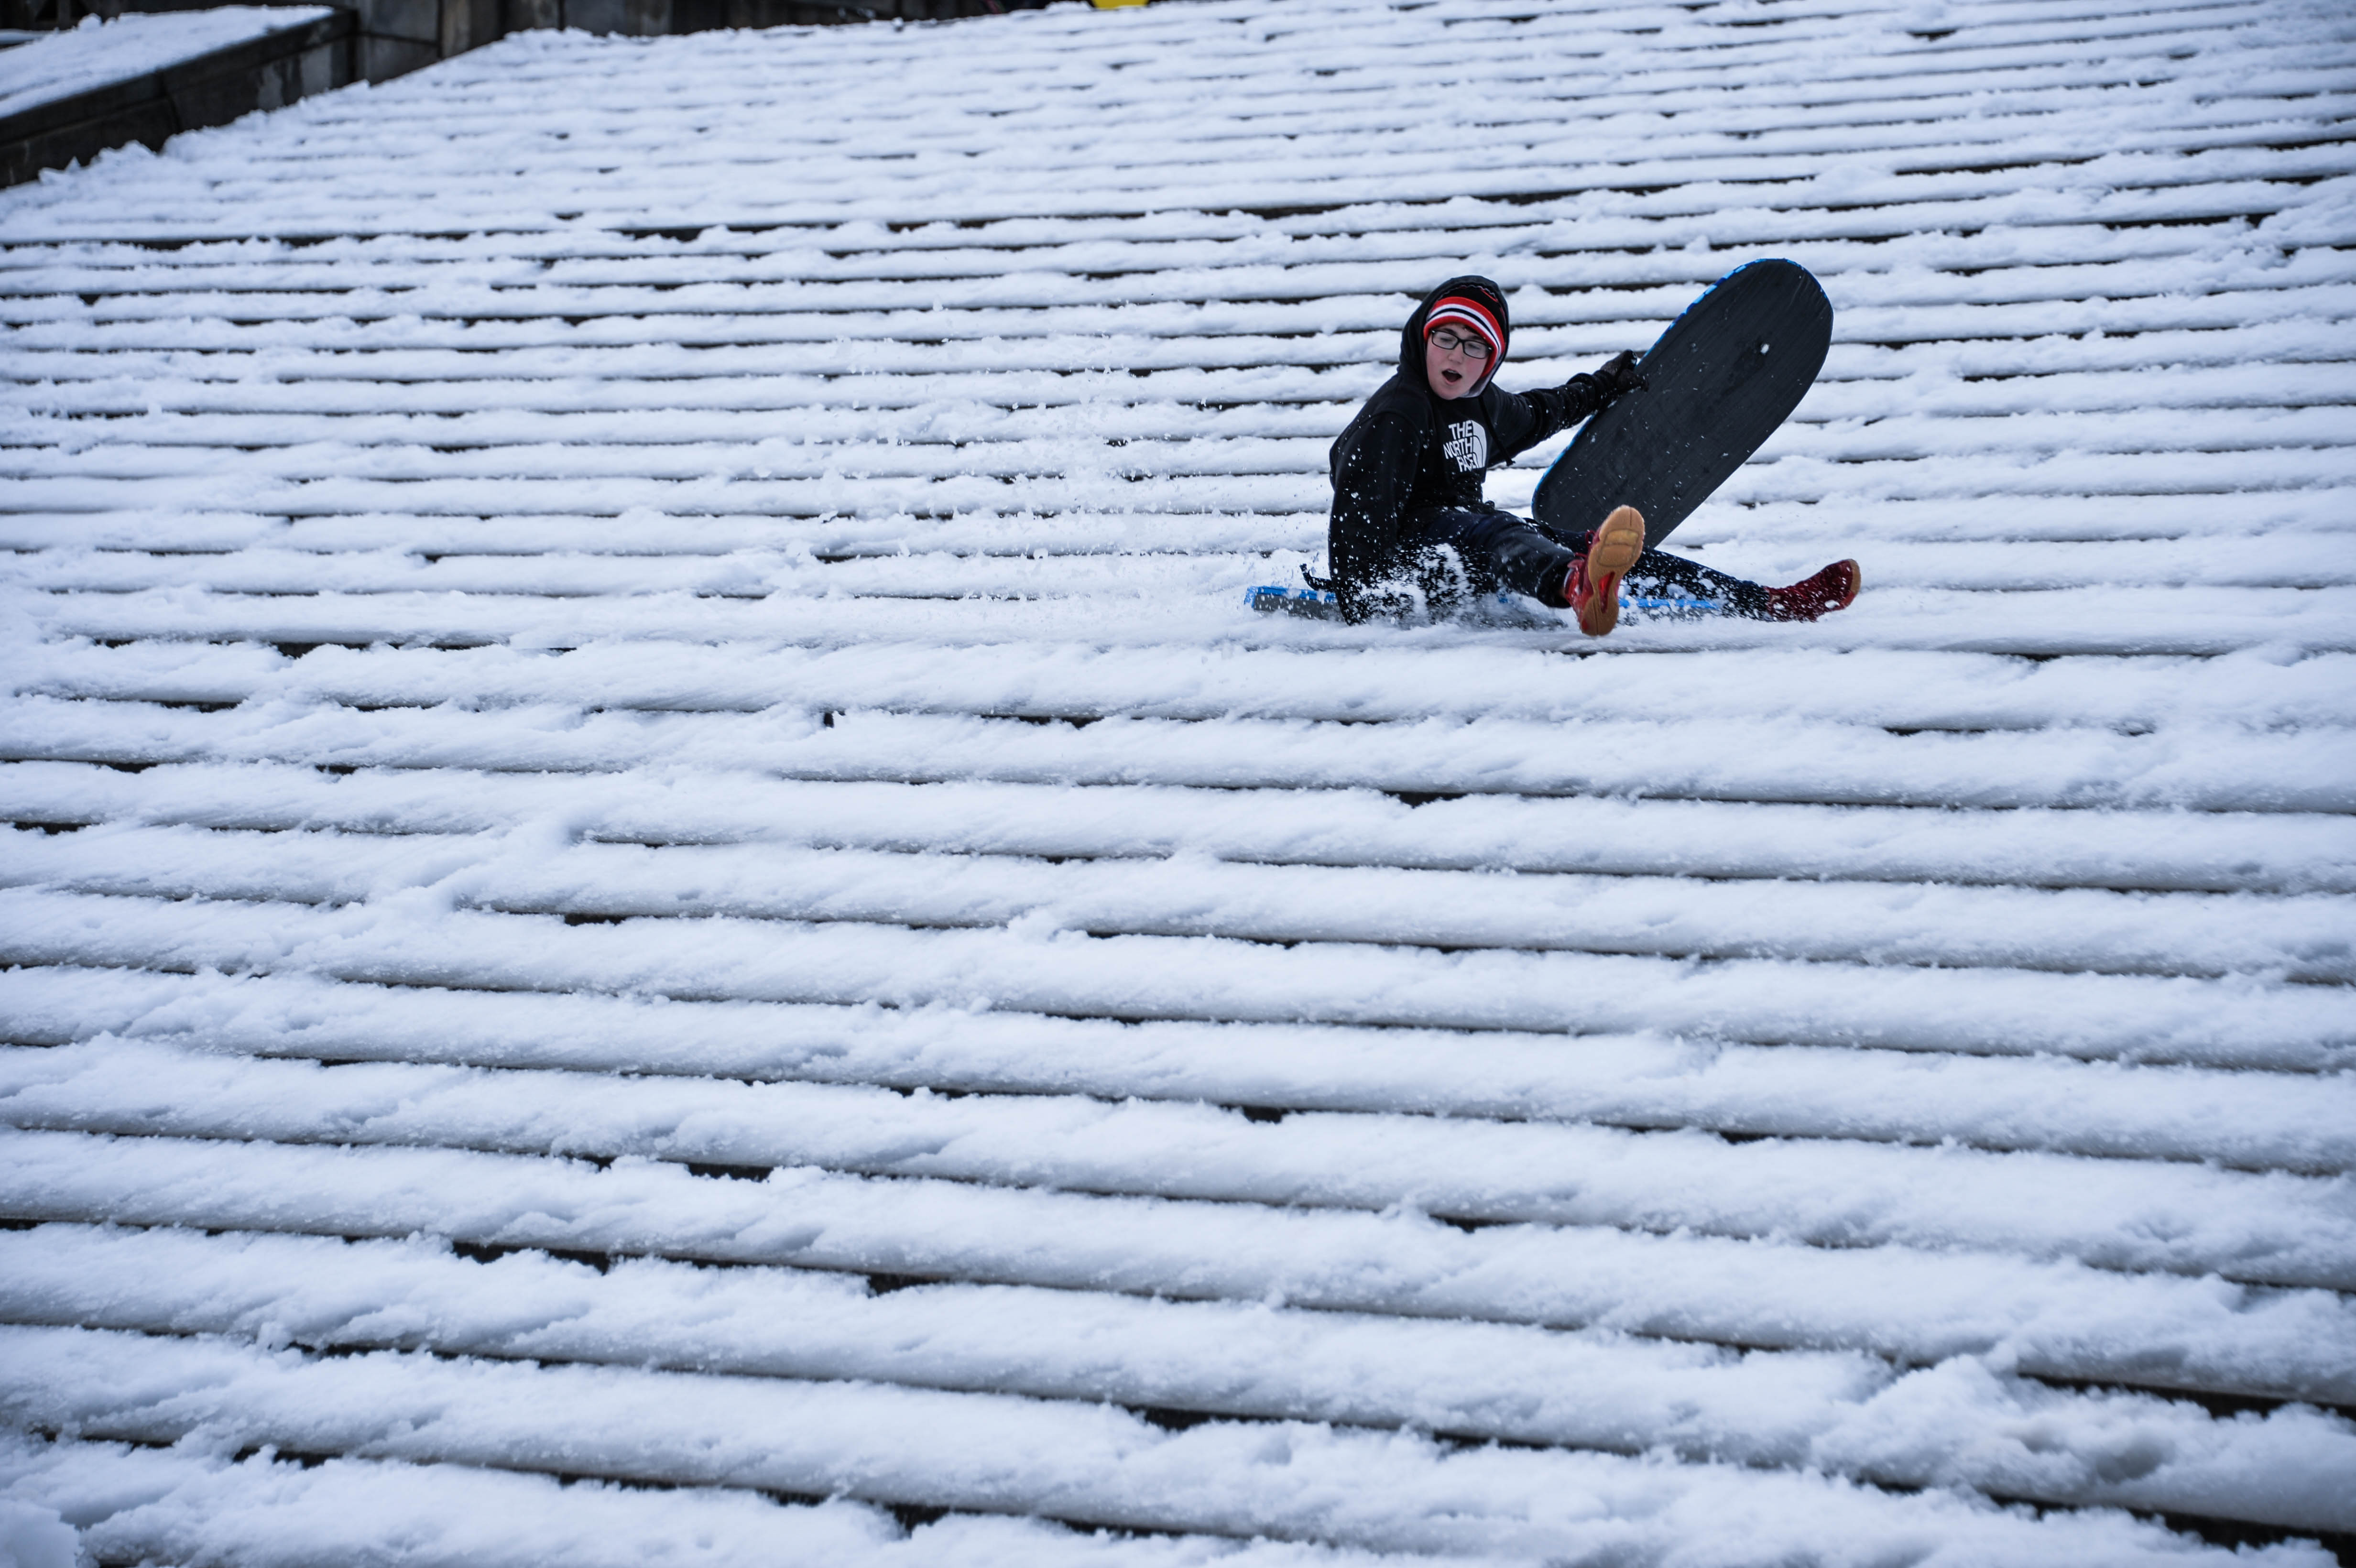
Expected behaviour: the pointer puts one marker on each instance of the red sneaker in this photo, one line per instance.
(1593, 585)
(1833, 588)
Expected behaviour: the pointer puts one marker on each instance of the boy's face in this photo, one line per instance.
(1452, 372)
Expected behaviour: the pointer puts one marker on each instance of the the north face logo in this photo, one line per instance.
(1468, 444)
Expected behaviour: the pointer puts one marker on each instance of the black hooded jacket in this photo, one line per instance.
(1409, 453)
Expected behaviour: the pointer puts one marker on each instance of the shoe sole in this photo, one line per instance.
(1855, 582)
(1610, 554)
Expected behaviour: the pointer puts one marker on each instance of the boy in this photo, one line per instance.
(1409, 520)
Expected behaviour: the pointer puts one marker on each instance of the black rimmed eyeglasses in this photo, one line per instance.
(1449, 342)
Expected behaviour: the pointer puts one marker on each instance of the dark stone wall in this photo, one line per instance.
(646, 18)
(211, 90)
(393, 35)
(453, 26)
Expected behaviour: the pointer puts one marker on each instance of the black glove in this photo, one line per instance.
(1616, 376)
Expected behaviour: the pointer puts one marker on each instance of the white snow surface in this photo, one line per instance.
(663, 908)
(98, 53)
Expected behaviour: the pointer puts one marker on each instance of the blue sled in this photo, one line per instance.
(1274, 598)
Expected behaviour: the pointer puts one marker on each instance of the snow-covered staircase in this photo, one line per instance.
(663, 907)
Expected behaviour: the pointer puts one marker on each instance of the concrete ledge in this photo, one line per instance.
(209, 89)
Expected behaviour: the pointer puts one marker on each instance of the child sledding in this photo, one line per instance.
(1410, 529)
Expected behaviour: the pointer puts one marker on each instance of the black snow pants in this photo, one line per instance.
(1467, 552)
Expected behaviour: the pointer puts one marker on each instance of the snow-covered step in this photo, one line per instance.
(2128, 852)
(1334, 291)
(1599, 1389)
(2305, 939)
(928, 459)
(2230, 181)
(1036, 966)
(1672, 65)
(1086, 181)
(2291, 408)
(1798, 209)
(1112, 480)
(989, 536)
(1803, 52)
(1282, 365)
(1611, 238)
(1090, 178)
(1013, 454)
(981, 533)
(2268, 1227)
(1589, 253)
(1372, 682)
(1463, 33)
(2285, 558)
(1076, 1462)
(1052, 371)
(1534, 156)
(2250, 1118)
(950, 407)
(147, 1503)
(1100, 334)
(1799, 531)
(1047, 372)
(2189, 766)
(2048, 1318)
(1910, 103)
(2038, 623)
(709, 430)
(1274, 279)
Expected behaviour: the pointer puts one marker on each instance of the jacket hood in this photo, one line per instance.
(1411, 336)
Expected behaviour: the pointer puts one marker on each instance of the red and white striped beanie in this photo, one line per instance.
(1466, 315)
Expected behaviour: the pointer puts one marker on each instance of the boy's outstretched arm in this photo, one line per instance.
(1554, 408)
